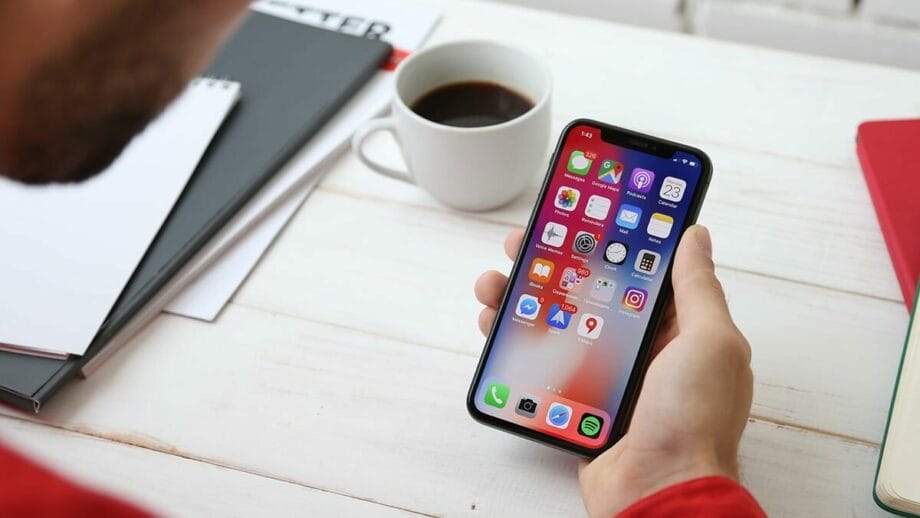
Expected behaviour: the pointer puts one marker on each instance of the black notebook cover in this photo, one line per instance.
(294, 78)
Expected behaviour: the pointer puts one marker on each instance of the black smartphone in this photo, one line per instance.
(570, 345)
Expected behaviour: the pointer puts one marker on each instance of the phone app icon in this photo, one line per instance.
(497, 395)
(603, 289)
(598, 207)
(659, 225)
(610, 172)
(584, 243)
(527, 307)
(570, 280)
(554, 234)
(579, 164)
(634, 298)
(527, 406)
(590, 425)
(557, 317)
(672, 189)
(647, 262)
(567, 198)
(628, 216)
(559, 415)
(641, 180)
(616, 252)
(590, 326)
(541, 270)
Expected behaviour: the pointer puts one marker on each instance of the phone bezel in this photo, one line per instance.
(632, 140)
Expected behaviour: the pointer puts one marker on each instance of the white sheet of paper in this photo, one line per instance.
(406, 29)
(69, 250)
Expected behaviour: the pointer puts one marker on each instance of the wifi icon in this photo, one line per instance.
(590, 426)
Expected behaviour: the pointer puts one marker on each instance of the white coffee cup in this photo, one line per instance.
(477, 168)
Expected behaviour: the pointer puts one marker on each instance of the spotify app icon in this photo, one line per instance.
(590, 426)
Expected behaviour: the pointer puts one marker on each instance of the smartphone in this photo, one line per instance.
(570, 345)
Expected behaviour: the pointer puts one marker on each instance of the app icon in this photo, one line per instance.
(567, 198)
(603, 290)
(584, 243)
(527, 406)
(659, 225)
(634, 298)
(616, 252)
(528, 307)
(579, 163)
(598, 207)
(590, 326)
(497, 395)
(590, 425)
(559, 415)
(672, 189)
(558, 318)
(554, 234)
(541, 270)
(647, 262)
(610, 172)
(641, 180)
(570, 280)
(629, 216)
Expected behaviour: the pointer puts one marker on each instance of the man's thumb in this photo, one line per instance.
(698, 295)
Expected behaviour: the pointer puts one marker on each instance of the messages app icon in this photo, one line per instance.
(579, 164)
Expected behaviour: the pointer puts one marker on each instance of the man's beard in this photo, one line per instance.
(79, 108)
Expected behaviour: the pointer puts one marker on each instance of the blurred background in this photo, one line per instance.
(875, 31)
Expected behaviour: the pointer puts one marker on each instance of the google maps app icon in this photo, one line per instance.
(610, 172)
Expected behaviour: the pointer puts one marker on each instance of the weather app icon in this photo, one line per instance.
(557, 317)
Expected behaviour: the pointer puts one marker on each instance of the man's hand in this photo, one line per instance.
(696, 396)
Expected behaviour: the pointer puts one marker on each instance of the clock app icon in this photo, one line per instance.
(616, 252)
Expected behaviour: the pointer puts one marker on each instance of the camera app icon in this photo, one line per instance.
(527, 406)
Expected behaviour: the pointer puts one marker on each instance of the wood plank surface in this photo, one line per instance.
(171, 485)
(358, 415)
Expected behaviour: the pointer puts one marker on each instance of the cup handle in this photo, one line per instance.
(357, 145)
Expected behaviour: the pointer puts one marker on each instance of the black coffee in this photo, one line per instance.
(472, 104)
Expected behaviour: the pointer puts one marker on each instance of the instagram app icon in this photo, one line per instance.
(641, 180)
(634, 298)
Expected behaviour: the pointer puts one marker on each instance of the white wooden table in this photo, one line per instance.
(335, 381)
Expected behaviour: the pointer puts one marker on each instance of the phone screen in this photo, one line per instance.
(586, 286)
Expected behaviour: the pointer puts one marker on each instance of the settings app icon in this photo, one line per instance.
(584, 243)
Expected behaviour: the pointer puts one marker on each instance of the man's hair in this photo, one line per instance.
(82, 105)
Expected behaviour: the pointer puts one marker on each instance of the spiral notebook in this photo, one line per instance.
(69, 250)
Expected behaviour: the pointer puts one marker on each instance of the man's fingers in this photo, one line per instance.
(698, 295)
(513, 243)
(489, 288)
(486, 317)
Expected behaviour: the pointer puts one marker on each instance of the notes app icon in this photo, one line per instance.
(659, 225)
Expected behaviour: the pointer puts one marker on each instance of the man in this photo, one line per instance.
(79, 79)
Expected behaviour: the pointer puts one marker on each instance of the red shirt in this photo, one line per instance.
(713, 497)
(27, 489)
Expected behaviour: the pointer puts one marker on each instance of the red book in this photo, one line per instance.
(889, 152)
